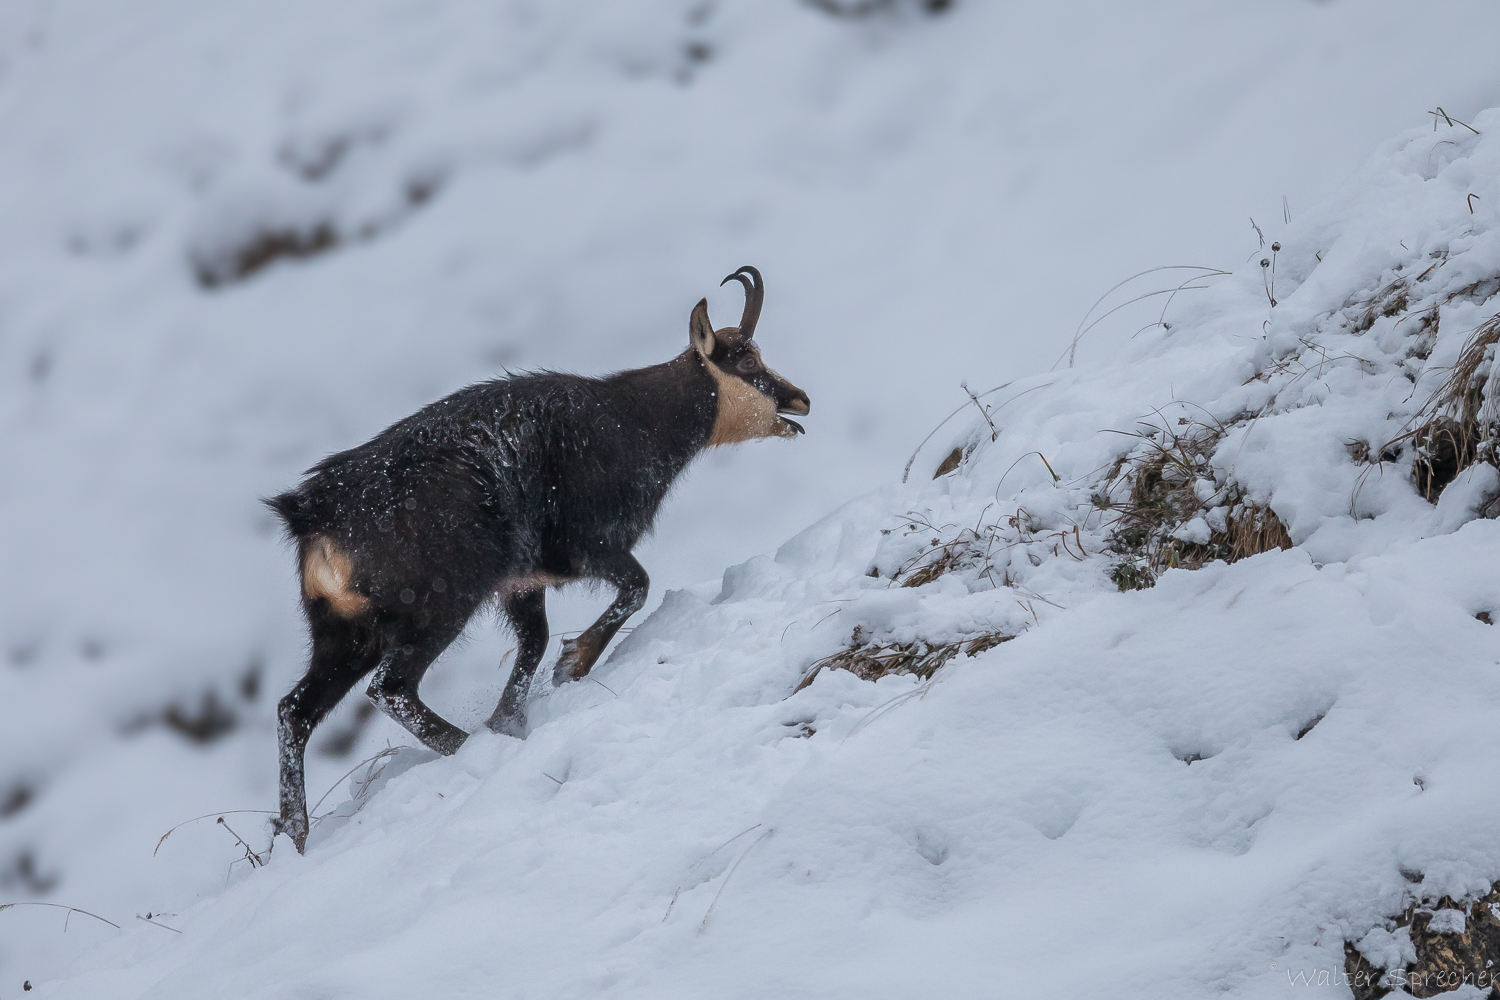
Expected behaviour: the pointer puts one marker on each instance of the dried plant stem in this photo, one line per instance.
(59, 906)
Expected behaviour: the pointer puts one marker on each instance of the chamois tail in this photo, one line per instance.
(292, 508)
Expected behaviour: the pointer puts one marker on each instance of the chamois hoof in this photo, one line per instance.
(508, 725)
(562, 673)
(575, 662)
(294, 828)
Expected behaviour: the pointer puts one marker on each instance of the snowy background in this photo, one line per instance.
(936, 195)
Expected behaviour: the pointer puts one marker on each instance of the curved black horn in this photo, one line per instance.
(755, 292)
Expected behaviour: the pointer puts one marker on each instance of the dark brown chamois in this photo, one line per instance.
(498, 492)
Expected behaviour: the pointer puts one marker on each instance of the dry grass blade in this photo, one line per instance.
(696, 864)
(704, 925)
(382, 755)
(59, 906)
(196, 819)
(906, 471)
(148, 919)
(1084, 326)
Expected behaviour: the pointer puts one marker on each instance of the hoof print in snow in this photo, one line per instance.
(1456, 945)
(932, 849)
(1191, 757)
(1310, 725)
(871, 661)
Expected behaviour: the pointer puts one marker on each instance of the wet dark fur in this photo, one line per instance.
(497, 491)
(535, 473)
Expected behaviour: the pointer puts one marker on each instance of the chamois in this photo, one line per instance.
(497, 492)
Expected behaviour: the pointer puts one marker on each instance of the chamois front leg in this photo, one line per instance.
(631, 583)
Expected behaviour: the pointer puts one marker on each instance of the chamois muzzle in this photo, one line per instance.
(790, 399)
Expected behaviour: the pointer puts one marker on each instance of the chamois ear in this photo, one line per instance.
(700, 330)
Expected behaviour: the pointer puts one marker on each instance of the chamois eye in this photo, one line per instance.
(748, 364)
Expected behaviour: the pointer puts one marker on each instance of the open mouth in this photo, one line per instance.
(795, 404)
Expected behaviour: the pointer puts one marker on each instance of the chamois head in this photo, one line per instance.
(752, 397)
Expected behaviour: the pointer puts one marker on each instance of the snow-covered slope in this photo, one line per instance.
(1194, 787)
(934, 199)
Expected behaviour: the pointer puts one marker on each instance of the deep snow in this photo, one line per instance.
(933, 200)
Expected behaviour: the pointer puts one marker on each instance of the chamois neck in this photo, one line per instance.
(676, 399)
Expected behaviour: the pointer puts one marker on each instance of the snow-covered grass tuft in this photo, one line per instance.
(870, 661)
(1459, 423)
(1175, 514)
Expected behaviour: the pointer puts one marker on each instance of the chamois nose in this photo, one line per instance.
(798, 405)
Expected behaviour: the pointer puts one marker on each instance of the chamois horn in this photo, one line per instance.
(755, 292)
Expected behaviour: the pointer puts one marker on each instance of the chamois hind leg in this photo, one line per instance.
(343, 651)
(394, 687)
(527, 612)
(631, 584)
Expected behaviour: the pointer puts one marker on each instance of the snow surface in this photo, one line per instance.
(933, 200)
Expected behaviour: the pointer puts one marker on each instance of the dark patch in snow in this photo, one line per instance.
(1456, 944)
(250, 680)
(1310, 724)
(236, 260)
(23, 872)
(23, 654)
(18, 798)
(855, 10)
(341, 740)
(950, 463)
(262, 249)
(209, 721)
(1444, 449)
(210, 718)
(315, 158)
(105, 243)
